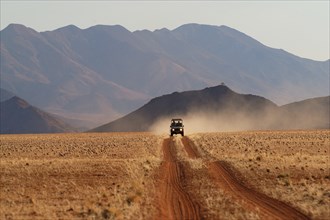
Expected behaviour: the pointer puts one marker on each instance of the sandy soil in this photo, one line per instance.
(146, 176)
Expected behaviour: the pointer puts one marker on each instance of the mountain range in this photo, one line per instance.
(221, 109)
(104, 72)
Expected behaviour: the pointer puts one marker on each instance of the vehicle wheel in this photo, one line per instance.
(182, 134)
(171, 134)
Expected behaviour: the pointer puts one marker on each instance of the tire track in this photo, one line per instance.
(271, 207)
(175, 202)
(226, 179)
(191, 151)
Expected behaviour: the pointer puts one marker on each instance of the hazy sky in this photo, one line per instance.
(299, 27)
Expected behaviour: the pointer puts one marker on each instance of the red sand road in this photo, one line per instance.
(175, 202)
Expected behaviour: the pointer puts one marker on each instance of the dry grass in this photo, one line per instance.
(85, 176)
(111, 175)
(292, 166)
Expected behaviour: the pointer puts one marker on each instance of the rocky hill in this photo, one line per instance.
(209, 104)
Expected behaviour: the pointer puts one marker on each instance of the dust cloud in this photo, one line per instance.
(312, 117)
(208, 122)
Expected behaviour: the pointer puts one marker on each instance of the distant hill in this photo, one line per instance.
(221, 109)
(17, 117)
(208, 103)
(103, 72)
(310, 113)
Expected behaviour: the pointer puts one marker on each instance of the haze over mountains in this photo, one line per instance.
(221, 109)
(211, 109)
(103, 72)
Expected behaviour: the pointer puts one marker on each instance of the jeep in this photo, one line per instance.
(177, 126)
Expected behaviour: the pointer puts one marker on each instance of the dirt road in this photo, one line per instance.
(177, 203)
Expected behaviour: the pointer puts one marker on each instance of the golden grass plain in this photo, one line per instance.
(115, 175)
(291, 166)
